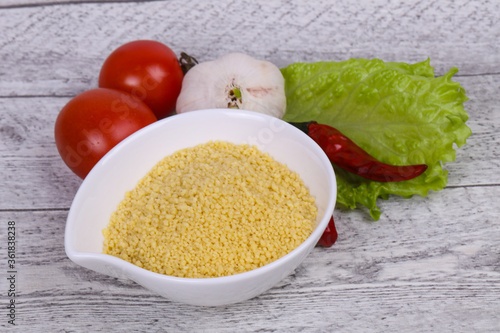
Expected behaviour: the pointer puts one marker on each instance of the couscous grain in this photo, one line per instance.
(212, 210)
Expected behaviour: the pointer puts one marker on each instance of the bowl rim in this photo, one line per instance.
(126, 267)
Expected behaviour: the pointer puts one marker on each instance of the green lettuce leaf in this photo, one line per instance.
(399, 113)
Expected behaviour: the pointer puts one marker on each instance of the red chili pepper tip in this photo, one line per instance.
(329, 236)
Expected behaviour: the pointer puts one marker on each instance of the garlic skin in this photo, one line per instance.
(235, 80)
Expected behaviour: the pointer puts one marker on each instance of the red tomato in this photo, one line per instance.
(93, 122)
(147, 69)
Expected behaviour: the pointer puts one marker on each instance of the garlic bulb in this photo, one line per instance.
(235, 80)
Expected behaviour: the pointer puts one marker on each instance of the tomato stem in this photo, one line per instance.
(187, 62)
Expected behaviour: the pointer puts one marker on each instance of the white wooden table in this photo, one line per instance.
(429, 265)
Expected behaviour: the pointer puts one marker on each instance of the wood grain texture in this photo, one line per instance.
(34, 3)
(403, 274)
(429, 265)
(57, 50)
(32, 172)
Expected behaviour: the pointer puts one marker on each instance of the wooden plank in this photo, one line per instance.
(432, 265)
(58, 50)
(32, 171)
(34, 3)
(482, 147)
(367, 308)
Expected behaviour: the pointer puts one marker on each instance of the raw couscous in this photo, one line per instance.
(212, 210)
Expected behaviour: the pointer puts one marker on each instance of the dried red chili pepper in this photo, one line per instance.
(346, 154)
(329, 236)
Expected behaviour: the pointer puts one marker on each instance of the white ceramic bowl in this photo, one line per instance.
(120, 170)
